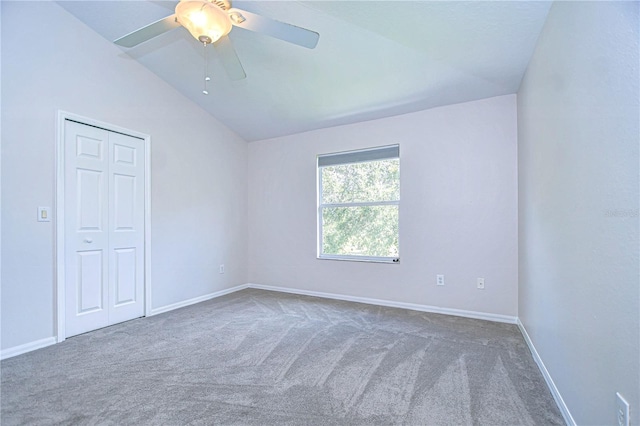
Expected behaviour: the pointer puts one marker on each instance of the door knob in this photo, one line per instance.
(88, 240)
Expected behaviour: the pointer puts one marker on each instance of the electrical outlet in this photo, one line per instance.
(481, 283)
(222, 268)
(622, 410)
(439, 279)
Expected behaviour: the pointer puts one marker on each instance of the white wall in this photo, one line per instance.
(199, 168)
(458, 213)
(578, 138)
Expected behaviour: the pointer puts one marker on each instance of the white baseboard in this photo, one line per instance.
(7, 353)
(568, 418)
(403, 305)
(198, 299)
(27, 347)
(38, 344)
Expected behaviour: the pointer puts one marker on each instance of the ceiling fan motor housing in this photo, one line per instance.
(222, 4)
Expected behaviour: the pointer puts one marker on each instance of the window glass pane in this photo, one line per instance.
(361, 182)
(360, 231)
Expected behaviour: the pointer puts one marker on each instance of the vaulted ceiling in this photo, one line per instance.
(374, 59)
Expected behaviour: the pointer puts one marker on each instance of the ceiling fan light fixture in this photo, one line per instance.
(205, 21)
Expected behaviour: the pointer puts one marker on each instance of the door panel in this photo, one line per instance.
(89, 147)
(124, 197)
(126, 227)
(89, 202)
(125, 281)
(124, 155)
(86, 239)
(90, 285)
(104, 226)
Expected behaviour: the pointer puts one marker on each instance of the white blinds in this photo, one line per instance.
(372, 154)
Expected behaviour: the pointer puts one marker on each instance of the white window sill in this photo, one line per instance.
(393, 260)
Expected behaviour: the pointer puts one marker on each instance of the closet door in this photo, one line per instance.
(126, 228)
(86, 228)
(104, 228)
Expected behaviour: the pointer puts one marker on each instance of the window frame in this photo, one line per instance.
(320, 206)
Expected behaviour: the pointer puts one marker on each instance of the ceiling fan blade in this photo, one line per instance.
(147, 33)
(229, 58)
(260, 24)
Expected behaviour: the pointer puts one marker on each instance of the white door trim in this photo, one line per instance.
(59, 262)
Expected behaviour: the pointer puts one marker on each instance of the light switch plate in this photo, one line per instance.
(44, 214)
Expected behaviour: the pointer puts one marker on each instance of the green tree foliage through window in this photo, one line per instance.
(359, 205)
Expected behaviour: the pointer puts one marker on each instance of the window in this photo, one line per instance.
(358, 205)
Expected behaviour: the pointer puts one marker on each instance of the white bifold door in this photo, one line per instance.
(104, 227)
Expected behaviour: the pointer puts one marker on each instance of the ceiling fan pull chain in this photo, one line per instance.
(206, 72)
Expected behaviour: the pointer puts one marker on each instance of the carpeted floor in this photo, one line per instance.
(264, 358)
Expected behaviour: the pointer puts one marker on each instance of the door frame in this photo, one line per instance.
(59, 237)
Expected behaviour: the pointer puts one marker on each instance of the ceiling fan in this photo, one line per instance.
(209, 22)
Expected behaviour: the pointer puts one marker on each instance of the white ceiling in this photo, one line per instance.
(374, 59)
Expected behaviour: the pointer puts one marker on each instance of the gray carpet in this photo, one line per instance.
(264, 358)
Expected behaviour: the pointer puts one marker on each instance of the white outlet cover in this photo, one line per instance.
(622, 410)
(439, 279)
